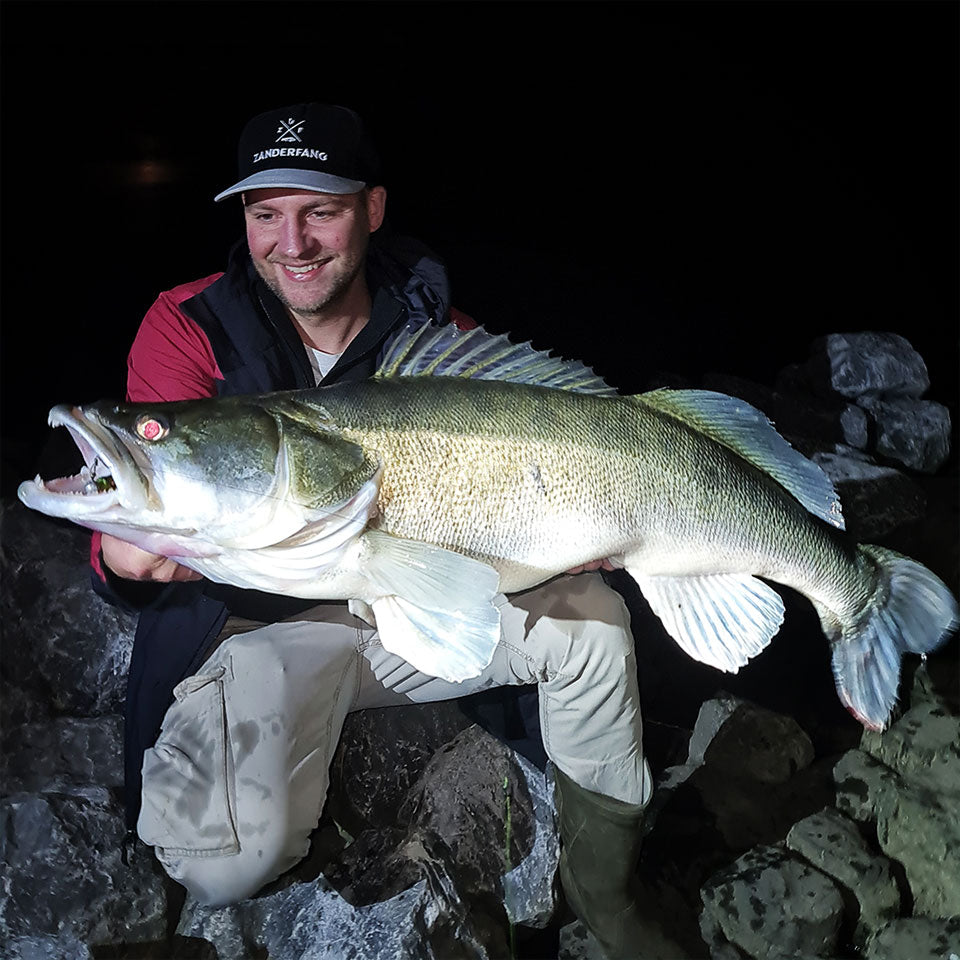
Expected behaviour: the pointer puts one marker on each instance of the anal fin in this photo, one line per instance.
(721, 620)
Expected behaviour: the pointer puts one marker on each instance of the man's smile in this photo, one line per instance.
(299, 274)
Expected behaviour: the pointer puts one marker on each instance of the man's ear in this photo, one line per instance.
(376, 206)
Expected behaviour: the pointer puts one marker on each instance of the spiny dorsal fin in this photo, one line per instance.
(748, 433)
(447, 351)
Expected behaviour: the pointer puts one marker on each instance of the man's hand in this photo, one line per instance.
(592, 565)
(132, 563)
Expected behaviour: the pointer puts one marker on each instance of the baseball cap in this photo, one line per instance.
(310, 146)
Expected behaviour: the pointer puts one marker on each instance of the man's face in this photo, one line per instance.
(309, 247)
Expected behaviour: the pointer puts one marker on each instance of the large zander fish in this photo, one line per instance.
(468, 466)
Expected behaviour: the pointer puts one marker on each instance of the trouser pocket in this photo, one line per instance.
(188, 807)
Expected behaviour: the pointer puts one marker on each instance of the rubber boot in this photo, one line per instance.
(599, 850)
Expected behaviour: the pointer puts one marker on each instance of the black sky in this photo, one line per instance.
(647, 187)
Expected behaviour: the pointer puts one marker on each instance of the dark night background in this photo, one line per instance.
(643, 186)
(681, 187)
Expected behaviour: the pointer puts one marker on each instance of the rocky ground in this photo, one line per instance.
(778, 829)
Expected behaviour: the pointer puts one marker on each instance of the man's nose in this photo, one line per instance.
(294, 239)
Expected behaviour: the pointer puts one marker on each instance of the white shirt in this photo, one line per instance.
(321, 363)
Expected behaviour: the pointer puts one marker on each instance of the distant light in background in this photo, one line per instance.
(152, 173)
(152, 166)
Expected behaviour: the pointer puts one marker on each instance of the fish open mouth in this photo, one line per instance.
(104, 481)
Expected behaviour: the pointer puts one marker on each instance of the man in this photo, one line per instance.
(252, 690)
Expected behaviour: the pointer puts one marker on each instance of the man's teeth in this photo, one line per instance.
(307, 269)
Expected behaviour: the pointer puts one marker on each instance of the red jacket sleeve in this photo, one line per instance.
(461, 320)
(171, 358)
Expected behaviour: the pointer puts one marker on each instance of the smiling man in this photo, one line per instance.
(315, 294)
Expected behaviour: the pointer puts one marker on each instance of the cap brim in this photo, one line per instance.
(295, 179)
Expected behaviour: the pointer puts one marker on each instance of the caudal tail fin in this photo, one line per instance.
(913, 611)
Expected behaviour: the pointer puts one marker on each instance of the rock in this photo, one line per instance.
(712, 716)
(63, 874)
(472, 794)
(913, 805)
(865, 364)
(745, 739)
(770, 905)
(64, 648)
(313, 920)
(46, 948)
(922, 833)
(833, 844)
(381, 755)
(915, 433)
(916, 938)
(923, 747)
(529, 887)
(917, 823)
(759, 745)
(577, 943)
(936, 680)
(70, 755)
(862, 785)
(854, 427)
(875, 499)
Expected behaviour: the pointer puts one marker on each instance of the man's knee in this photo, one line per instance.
(574, 626)
(221, 880)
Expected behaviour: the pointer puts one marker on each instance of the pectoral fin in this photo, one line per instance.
(436, 608)
(721, 620)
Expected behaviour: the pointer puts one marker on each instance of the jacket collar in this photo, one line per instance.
(406, 281)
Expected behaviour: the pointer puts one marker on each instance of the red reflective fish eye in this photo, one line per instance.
(150, 429)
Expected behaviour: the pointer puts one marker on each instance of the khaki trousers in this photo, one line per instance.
(237, 780)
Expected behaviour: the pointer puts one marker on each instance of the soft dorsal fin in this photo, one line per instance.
(447, 351)
(748, 433)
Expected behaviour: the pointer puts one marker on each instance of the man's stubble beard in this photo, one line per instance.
(337, 291)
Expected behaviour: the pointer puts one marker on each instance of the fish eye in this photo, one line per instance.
(150, 428)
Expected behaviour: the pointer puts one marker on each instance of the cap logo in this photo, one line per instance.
(288, 131)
